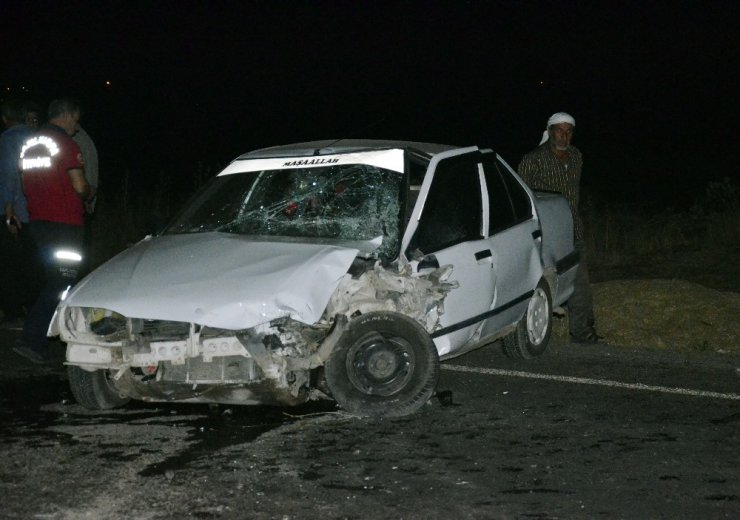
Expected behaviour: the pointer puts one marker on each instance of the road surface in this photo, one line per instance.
(583, 432)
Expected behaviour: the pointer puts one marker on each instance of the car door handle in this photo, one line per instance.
(480, 255)
(537, 233)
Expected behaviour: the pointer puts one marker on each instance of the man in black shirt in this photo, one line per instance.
(555, 165)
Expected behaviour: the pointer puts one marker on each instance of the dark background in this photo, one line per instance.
(167, 85)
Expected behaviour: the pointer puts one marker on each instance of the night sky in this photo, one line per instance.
(653, 85)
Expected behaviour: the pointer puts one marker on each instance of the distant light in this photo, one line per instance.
(107, 83)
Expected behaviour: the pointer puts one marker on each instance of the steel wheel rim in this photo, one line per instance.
(382, 366)
(538, 317)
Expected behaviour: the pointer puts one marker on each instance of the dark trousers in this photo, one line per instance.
(20, 274)
(581, 305)
(59, 274)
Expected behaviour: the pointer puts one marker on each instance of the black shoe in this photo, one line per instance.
(31, 355)
(589, 339)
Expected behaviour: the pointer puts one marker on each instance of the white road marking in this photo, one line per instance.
(588, 381)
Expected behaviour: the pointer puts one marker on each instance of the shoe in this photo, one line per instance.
(589, 339)
(31, 355)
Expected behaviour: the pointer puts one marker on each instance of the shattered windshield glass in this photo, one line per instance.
(350, 202)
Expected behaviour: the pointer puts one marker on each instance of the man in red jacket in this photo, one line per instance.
(52, 172)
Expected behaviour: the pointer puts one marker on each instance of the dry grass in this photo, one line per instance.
(668, 279)
(673, 314)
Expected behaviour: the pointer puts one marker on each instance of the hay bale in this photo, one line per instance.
(673, 314)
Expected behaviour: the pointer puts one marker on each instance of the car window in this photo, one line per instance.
(350, 202)
(519, 197)
(452, 210)
(214, 206)
(501, 212)
(508, 201)
(416, 177)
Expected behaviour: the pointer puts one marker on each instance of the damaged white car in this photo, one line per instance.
(342, 269)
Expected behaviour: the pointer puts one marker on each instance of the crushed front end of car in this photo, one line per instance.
(244, 298)
(279, 361)
(160, 360)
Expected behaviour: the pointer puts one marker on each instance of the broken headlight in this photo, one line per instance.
(104, 322)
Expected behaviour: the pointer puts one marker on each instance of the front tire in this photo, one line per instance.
(385, 365)
(532, 333)
(94, 390)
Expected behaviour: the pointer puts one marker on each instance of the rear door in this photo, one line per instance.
(515, 239)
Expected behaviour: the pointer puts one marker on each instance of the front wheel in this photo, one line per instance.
(385, 364)
(532, 333)
(94, 390)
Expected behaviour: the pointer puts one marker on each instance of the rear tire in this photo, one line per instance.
(385, 365)
(532, 333)
(94, 390)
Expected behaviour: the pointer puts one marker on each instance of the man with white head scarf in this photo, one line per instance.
(555, 165)
(556, 119)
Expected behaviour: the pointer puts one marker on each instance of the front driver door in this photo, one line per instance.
(450, 231)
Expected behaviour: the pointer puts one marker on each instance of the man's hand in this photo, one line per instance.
(13, 223)
(90, 200)
(80, 185)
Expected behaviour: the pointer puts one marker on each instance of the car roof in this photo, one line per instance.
(334, 146)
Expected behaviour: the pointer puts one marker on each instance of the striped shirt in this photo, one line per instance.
(541, 170)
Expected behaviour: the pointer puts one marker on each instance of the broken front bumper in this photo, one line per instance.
(154, 360)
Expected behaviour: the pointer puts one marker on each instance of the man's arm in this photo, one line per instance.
(80, 185)
(7, 197)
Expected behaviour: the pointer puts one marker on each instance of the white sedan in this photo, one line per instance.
(343, 269)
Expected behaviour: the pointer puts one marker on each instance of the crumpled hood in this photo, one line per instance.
(216, 279)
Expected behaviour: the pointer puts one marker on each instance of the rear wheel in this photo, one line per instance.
(532, 333)
(94, 390)
(385, 364)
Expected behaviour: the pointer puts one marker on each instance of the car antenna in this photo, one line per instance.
(351, 134)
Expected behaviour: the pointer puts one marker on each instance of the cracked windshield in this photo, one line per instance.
(355, 202)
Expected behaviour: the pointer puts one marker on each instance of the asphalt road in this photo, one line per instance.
(583, 432)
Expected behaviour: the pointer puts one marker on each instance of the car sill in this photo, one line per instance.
(481, 317)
